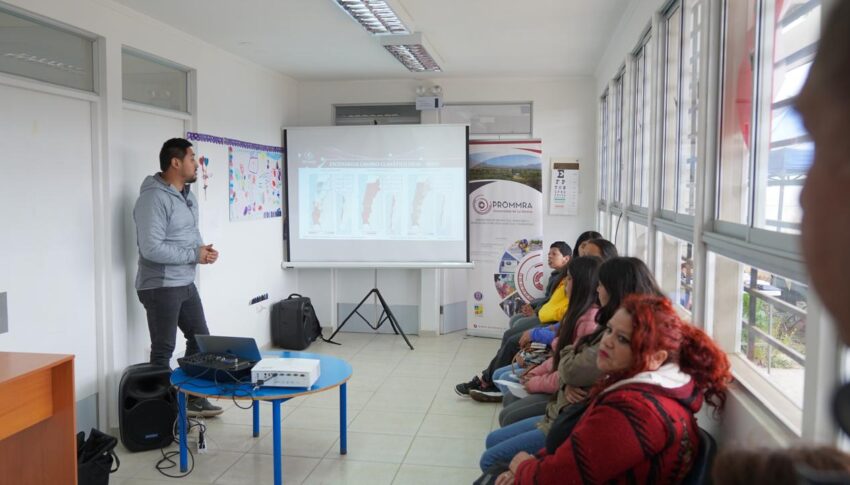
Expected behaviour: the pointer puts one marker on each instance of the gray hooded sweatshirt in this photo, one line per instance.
(167, 235)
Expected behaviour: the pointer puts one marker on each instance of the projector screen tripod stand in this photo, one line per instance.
(386, 315)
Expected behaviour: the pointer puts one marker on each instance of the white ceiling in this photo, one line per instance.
(316, 40)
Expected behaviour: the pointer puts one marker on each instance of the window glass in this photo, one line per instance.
(784, 149)
(154, 83)
(737, 111)
(618, 233)
(676, 270)
(769, 312)
(603, 216)
(671, 104)
(489, 118)
(638, 241)
(603, 148)
(642, 131)
(617, 153)
(689, 108)
(39, 51)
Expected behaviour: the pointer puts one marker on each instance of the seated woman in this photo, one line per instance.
(580, 285)
(640, 425)
(530, 309)
(576, 365)
(511, 338)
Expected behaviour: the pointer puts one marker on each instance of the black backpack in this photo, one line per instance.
(294, 323)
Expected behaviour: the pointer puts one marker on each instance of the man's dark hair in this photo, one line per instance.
(173, 148)
(563, 248)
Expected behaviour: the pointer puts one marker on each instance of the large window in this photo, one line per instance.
(154, 82)
(37, 50)
(683, 46)
(768, 46)
(784, 149)
(769, 312)
(762, 74)
(749, 292)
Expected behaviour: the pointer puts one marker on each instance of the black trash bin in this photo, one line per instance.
(95, 457)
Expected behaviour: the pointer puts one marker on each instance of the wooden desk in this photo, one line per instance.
(37, 419)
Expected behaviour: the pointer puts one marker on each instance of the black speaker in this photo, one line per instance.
(147, 407)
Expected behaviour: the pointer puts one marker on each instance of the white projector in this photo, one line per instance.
(285, 372)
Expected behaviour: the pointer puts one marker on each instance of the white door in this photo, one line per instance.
(47, 228)
(143, 136)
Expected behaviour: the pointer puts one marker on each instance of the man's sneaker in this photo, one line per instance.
(491, 394)
(463, 388)
(202, 407)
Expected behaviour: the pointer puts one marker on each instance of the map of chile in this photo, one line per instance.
(372, 189)
(520, 274)
(422, 189)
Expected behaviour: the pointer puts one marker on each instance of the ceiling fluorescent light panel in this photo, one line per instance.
(410, 50)
(376, 16)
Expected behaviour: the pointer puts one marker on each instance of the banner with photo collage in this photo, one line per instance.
(505, 232)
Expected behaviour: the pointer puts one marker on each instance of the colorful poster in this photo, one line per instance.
(255, 183)
(505, 232)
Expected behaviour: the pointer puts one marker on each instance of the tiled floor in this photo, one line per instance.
(406, 424)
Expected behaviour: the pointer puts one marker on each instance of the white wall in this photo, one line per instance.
(564, 118)
(632, 24)
(233, 98)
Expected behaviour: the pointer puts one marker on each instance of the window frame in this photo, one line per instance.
(768, 250)
(748, 234)
(642, 96)
(96, 45)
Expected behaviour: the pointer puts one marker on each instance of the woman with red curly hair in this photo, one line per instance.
(640, 425)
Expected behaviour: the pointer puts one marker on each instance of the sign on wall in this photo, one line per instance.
(564, 186)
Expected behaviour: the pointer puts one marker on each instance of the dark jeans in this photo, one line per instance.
(168, 309)
(518, 409)
(509, 347)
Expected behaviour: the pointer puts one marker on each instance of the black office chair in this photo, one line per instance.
(700, 473)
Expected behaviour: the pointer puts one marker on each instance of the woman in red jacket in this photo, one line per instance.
(640, 425)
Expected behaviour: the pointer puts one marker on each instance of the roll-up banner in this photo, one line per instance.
(505, 232)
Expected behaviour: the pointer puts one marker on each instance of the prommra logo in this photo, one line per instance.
(481, 205)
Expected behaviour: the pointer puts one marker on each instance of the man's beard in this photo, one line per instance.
(193, 179)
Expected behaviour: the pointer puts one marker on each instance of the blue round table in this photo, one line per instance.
(334, 372)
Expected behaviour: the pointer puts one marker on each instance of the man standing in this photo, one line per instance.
(170, 246)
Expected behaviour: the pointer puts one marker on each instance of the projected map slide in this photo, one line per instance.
(386, 200)
(377, 194)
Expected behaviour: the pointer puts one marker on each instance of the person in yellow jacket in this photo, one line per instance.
(520, 333)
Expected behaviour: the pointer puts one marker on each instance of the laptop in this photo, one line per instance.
(243, 348)
(222, 359)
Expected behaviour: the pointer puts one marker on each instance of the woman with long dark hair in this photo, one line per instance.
(640, 425)
(577, 369)
(582, 238)
(617, 278)
(581, 282)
